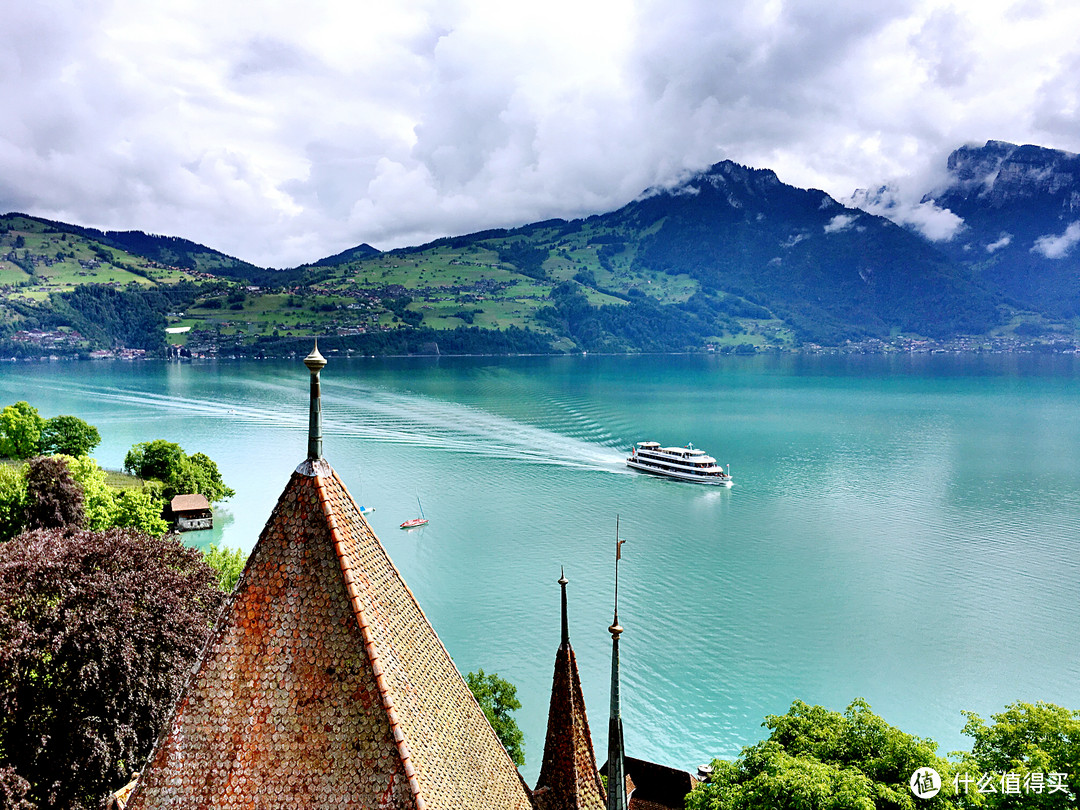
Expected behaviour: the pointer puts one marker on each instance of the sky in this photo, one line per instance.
(284, 132)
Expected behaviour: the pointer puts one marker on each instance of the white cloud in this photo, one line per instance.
(841, 222)
(1004, 241)
(303, 129)
(929, 219)
(1058, 247)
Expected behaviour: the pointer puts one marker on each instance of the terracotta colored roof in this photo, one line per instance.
(187, 503)
(569, 779)
(324, 685)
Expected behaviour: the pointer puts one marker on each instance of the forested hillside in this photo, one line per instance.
(732, 259)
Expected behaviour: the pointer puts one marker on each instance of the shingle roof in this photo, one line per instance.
(569, 767)
(185, 503)
(323, 684)
(569, 779)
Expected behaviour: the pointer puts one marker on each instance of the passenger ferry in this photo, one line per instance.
(684, 463)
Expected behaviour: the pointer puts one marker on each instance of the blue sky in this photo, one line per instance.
(282, 132)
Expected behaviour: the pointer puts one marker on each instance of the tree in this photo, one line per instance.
(108, 507)
(99, 499)
(20, 430)
(498, 699)
(12, 500)
(140, 509)
(1027, 739)
(817, 759)
(13, 790)
(69, 435)
(97, 633)
(157, 459)
(53, 499)
(229, 564)
(181, 474)
(198, 473)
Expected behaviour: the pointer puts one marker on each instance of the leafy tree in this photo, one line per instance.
(181, 474)
(817, 759)
(69, 435)
(13, 790)
(498, 699)
(20, 430)
(107, 507)
(99, 499)
(198, 473)
(97, 633)
(140, 509)
(157, 459)
(12, 500)
(53, 498)
(1027, 739)
(228, 562)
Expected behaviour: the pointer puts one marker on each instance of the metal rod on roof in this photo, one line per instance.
(315, 363)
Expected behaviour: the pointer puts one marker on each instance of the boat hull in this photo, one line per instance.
(710, 480)
(412, 524)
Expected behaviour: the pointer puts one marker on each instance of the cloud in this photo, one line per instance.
(296, 132)
(841, 222)
(926, 217)
(1004, 241)
(1058, 247)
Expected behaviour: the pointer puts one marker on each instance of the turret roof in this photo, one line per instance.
(569, 779)
(324, 685)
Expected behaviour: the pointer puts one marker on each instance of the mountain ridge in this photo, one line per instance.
(729, 258)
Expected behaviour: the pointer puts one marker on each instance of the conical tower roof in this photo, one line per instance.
(324, 685)
(569, 779)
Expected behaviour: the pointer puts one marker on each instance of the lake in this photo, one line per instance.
(903, 529)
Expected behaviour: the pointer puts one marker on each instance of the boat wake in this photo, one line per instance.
(392, 417)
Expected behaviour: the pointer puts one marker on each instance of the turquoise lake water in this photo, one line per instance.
(901, 529)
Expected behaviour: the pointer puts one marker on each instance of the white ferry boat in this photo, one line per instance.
(684, 463)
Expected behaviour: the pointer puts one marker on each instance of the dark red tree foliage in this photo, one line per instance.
(97, 633)
(55, 500)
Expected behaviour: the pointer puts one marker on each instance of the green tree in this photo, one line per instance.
(157, 459)
(99, 499)
(179, 473)
(229, 564)
(498, 699)
(817, 759)
(97, 633)
(20, 430)
(198, 473)
(12, 500)
(140, 509)
(1023, 740)
(69, 435)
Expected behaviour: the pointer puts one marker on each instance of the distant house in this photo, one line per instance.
(191, 513)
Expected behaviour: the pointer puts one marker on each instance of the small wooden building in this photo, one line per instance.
(191, 513)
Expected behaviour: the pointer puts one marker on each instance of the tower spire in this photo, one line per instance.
(616, 765)
(315, 363)
(569, 779)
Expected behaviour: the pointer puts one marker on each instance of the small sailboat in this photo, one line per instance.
(412, 523)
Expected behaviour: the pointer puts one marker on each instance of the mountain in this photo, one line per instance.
(828, 271)
(730, 258)
(1020, 207)
(169, 251)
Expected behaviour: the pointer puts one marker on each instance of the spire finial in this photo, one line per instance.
(315, 363)
(615, 629)
(565, 625)
(616, 763)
